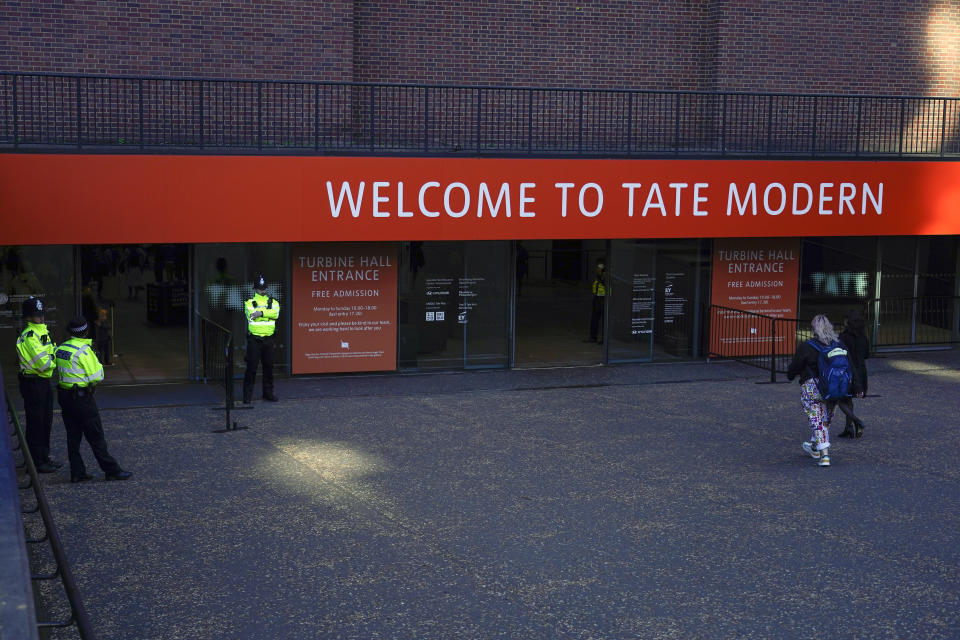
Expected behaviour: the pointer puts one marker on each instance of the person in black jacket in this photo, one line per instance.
(805, 365)
(858, 350)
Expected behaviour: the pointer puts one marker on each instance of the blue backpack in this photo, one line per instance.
(835, 378)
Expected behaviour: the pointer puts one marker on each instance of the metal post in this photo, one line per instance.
(902, 122)
(372, 119)
(769, 124)
(140, 108)
(530, 121)
(479, 115)
(316, 117)
(16, 135)
(773, 350)
(580, 124)
(260, 116)
(201, 114)
(856, 151)
(426, 119)
(813, 133)
(676, 123)
(79, 120)
(943, 127)
(723, 126)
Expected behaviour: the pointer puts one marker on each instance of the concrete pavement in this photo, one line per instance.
(647, 501)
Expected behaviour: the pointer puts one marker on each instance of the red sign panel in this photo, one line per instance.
(344, 309)
(759, 276)
(142, 198)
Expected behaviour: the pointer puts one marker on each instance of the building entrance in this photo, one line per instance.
(554, 303)
(135, 298)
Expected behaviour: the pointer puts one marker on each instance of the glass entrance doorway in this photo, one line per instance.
(554, 303)
(655, 291)
(135, 298)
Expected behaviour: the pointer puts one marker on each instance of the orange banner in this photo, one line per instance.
(761, 276)
(344, 310)
(77, 199)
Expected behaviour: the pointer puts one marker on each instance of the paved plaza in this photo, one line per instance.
(641, 501)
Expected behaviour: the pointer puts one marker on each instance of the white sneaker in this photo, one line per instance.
(824, 459)
(808, 447)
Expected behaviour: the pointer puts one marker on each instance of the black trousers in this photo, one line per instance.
(38, 406)
(596, 317)
(258, 350)
(82, 420)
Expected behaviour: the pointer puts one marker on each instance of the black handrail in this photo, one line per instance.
(156, 114)
(78, 615)
(216, 357)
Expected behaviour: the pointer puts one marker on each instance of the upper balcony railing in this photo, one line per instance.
(164, 115)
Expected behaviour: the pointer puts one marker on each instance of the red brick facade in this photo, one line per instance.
(854, 46)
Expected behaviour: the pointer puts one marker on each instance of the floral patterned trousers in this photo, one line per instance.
(819, 413)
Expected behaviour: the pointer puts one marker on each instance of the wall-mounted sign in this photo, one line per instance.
(344, 307)
(224, 198)
(759, 276)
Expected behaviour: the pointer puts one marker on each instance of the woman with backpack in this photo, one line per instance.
(821, 391)
(858, 347)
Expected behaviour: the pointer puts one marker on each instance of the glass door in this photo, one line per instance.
(453, 305)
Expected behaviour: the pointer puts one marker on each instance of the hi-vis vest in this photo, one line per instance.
(77, 364)
(35, 351)
(598, 288)
(265, 325)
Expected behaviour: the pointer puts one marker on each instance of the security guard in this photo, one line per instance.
(262, 312)
(79, 371)
(599, 289)
(35, 352)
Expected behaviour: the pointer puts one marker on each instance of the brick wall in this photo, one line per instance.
(845, 46)
(850, 46)
(216, 38)
(642, 44)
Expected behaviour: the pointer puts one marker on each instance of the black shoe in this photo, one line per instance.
(118, 475)
(846, 433)
(82, 478)
(56, 464)
(859, 431)
(45, 467)
(271, 397)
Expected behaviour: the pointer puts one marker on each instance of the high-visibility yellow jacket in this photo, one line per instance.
(35, 351)
(77, 364)
(598, 287)
(266, 324)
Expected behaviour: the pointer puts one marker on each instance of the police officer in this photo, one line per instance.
(599, 289)
(35, 352)
(79, 371)
(262, 312)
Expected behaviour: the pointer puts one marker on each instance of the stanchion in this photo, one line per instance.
(231, 425)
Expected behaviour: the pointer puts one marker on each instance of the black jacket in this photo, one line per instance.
(858, 348)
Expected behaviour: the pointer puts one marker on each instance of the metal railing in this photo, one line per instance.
(216, 362)
(143, 114)
(752, 338)
(769, 343)
(929, 320)
(78, 616)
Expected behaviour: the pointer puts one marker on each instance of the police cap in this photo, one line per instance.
(259, 282)
(77, 326)
(32, 306)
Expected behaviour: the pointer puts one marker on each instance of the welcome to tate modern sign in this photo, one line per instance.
(323, 199)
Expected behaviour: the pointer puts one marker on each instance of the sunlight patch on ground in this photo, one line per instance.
(333, 461)
(924, 368)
